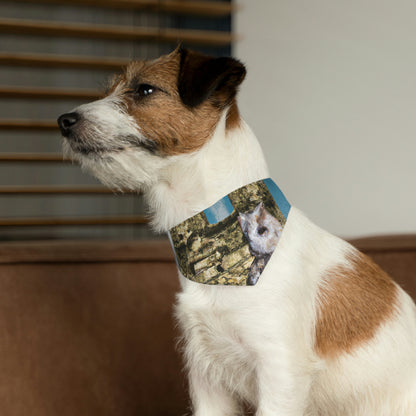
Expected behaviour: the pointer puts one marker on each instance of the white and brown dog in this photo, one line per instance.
(324, 331)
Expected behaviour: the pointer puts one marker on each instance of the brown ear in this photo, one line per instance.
(202, 77)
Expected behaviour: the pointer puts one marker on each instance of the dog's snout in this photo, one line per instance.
(67, 121)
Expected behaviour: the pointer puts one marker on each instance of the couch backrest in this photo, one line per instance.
(86, 329)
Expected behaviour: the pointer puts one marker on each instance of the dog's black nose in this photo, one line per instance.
(67, 121)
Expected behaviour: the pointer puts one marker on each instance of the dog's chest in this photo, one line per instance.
(215, 341)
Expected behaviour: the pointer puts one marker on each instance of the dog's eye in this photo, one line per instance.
(262, 230)
(143, 90)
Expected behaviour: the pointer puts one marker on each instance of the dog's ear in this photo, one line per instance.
(202, 77)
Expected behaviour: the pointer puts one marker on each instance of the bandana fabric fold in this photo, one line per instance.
(231, 242)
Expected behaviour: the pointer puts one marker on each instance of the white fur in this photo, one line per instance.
(107, 121)
(256, 343)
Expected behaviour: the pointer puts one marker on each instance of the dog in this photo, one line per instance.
(324, 331)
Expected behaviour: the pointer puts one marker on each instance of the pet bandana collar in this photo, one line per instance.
(231, 242)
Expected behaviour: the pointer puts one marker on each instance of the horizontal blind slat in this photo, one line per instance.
(202, 8)
(63, 29)
(16, 124)
(48, 93)
(68, 221)
(60, 190)
(32, 157)
(61, 61)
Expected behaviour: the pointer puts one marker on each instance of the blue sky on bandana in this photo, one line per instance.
(223, 208)
(278, 196)
(219, 211)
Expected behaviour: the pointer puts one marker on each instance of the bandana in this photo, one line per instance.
(231, 242)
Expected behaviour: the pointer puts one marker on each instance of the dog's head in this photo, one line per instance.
(154, 111)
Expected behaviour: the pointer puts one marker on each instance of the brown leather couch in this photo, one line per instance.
(86, 328)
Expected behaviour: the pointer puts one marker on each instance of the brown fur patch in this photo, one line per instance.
(162, 117)
(233, 116)
(353, 303)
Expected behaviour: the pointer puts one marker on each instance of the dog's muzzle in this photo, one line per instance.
(67, 123)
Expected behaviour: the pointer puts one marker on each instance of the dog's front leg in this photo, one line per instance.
(209, 399)
(283, 387)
